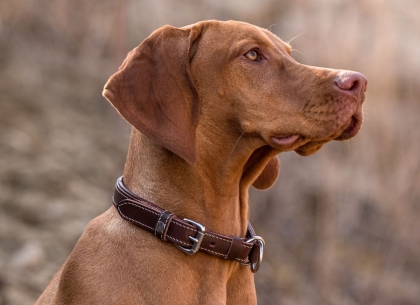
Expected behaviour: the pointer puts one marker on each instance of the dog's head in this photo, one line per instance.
(247, 74)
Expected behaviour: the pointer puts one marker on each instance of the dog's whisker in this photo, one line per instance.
(300, 53)
(233, 148)
(316, 119)
(299, 156)
(296, 37)
(300, 126)
(269, 28)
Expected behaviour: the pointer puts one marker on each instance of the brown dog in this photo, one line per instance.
(212, 104)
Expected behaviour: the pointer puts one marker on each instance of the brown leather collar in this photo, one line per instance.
(187, 235)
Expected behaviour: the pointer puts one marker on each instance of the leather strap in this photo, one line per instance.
(168, 227)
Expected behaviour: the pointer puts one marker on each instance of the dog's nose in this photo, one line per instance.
(351, 82)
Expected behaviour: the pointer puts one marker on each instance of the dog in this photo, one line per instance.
(212, 105)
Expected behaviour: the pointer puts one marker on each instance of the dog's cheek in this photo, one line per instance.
(269, 174)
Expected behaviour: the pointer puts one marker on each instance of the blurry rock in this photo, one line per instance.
(30, 255)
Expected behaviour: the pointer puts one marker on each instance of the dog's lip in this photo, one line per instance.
(285, 140)
(352, 128)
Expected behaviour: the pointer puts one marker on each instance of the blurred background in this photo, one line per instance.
(341, 226)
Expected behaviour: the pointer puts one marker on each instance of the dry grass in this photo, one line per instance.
(345, 221)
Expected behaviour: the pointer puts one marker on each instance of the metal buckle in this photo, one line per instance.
(255, 266)
(196, 240)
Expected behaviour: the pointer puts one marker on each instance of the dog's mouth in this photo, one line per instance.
(305, 145)
(349, 130)
(285, 141)
(353, 127)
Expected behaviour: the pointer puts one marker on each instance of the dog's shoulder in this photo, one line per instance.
(98, 255)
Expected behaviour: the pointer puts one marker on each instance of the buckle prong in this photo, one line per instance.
(196, 240)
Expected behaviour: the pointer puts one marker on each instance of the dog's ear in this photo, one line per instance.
(269, 174)
(154, 91)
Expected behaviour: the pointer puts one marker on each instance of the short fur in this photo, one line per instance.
(206, 126)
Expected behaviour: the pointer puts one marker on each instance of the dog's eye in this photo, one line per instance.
(253, 55)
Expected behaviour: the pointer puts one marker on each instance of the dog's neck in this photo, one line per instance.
(213, 191)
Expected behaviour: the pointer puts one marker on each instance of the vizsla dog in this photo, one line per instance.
(212, 105)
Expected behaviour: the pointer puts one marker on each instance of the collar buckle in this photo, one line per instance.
(196, 240)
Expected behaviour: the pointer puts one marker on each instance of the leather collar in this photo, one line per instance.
(187, 235)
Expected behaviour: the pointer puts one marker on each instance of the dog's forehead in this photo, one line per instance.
(232, 31)
(277, 41)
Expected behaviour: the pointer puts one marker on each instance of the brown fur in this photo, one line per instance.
(204, 118)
